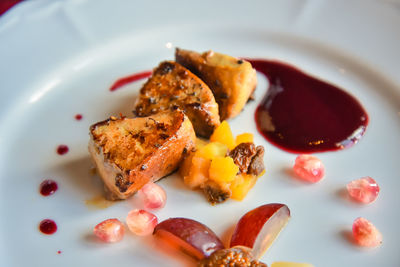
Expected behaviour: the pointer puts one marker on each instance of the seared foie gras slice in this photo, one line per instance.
(128, 153)
(173, 86)
(232, 80)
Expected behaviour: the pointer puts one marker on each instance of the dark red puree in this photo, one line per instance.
(302, 114)
(78, 117)
(62, 149)
(48, 227)
(48, 187)
(130, 79)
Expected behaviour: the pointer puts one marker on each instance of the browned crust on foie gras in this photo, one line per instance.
(130, 152)
(172, 86)
(232, 80)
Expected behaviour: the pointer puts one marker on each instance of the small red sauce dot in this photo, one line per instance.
(48, 227)
(78, 117)
(62, 149)
(48, 187)
(59, 252)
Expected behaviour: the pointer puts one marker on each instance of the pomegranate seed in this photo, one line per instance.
(364, 190)
(154, 196)
(309, 168)
(110, 230)
(141, 222)
(365, 233)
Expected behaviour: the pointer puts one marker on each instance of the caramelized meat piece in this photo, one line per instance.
(231, 80)
(129, 153)
(257, 162)
(236, 257)
(242, 155)
(172, 86)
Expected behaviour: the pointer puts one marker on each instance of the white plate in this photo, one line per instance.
(58, 58)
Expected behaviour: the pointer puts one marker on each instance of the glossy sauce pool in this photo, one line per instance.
(302, 114)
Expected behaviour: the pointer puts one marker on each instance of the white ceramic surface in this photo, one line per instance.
(58, 58)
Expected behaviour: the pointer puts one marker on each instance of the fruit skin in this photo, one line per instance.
(365, 233)
(223, 134)
(110, 230)
(252, 229)
(364, 190)
(191, 236)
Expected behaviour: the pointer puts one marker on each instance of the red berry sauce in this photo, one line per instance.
(48, 187)
(302, 114)
(78, 117)
(62, 149)
(48, 227)
(130, 79)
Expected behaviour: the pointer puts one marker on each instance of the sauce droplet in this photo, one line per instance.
(48, 227)
(48, 187)
(302, 114)
(130, 79)
(62, 149)
(78, 117)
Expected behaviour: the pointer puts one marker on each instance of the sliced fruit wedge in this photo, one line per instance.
(190, 236)
(258, 228)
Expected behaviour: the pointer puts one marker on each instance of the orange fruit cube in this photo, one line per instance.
(223, 170)
(223, 134)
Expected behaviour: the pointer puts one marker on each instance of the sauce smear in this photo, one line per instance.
(130, 79)
(48, 227)
(302, 114)
(48, 187)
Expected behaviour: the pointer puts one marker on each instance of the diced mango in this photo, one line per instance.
(244, 138)
(223, 170)
(212, 150)
(200, 143)
(223, 134)
(198, 173)
(290, 264)
(242, 185)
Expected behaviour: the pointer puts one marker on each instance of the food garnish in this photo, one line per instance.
(153, 196)
(141, 222)
(364, 190)
(224, 168)
(309, 168)
(193, 237)
(258, 228)
(110, 230)
(365, 233)
(236, 256)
